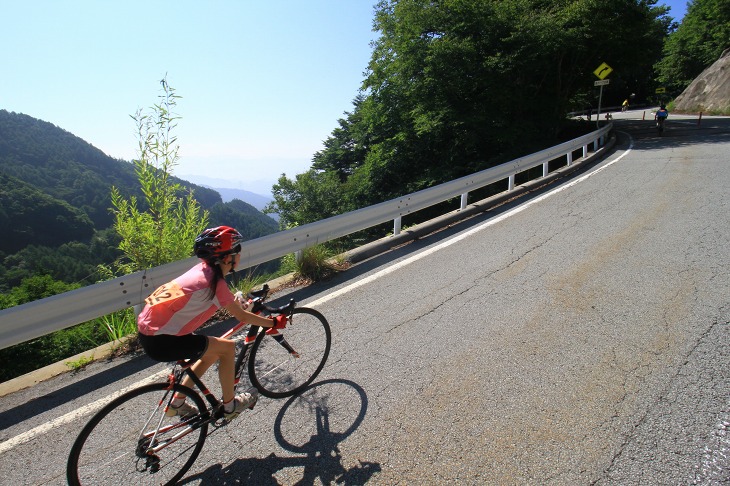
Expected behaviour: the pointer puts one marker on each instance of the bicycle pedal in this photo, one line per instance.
(221, 422)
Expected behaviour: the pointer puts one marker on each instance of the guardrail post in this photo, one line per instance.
(585, 151)
(569, 157)
(464, 198)
(595, 145)
(396, 226)
(298, 255)
(511, 182)
(545, 169)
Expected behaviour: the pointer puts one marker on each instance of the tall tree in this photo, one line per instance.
(698, 42)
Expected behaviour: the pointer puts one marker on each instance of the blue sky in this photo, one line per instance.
(263, 83)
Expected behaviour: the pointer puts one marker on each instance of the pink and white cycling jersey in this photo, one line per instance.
(182, 306)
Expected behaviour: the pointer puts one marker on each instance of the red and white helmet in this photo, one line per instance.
(215, 243)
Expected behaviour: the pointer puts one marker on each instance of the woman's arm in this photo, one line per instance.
(249, 318)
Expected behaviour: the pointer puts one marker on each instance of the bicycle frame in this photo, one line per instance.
(190, 425)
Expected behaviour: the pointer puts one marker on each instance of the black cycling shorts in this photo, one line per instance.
(165, 347)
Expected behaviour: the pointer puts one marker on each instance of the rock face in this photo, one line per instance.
(710, 91)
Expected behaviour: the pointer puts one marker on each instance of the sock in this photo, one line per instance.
(177, 401)
(229, 406)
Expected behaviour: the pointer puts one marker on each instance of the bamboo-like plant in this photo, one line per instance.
(163, 228)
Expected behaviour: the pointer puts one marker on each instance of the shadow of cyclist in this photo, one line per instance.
(311, 424)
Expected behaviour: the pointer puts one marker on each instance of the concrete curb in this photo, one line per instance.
(38, 376)
(353, 256)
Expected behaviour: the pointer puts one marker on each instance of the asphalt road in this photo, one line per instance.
(579, 336)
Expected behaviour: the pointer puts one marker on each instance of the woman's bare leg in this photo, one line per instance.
(223, 350)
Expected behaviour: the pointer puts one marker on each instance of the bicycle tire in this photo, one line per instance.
(274, 371)
(108, 450)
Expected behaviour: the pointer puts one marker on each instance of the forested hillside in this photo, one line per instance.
(32, 217)
(55, 204)
(68, 168)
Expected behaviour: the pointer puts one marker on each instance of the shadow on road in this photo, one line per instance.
(121, 368)
(311, 425)
(678, 132)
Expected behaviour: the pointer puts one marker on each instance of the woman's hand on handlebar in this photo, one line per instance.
(242, 301)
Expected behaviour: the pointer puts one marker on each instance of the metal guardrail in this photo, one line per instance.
(34, 319)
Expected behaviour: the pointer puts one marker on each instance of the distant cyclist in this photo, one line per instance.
(661, 115)
(625, 105)
(178, 308)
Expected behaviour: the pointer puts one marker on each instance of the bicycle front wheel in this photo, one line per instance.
(284, 362)
(132, 441)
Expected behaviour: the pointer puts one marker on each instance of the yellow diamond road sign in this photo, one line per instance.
(603, 71)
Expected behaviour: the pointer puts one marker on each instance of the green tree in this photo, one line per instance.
(312, 196)
(164, 231)
(699, 41)
(34, 288)
(456, 86)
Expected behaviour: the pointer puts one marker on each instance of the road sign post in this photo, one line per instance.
(600, 83)
(601, 72)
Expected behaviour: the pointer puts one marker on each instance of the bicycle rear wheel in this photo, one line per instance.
(286, 362)
(114, 447)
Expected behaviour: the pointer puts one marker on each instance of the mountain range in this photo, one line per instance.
(229, 192)
(55, 188)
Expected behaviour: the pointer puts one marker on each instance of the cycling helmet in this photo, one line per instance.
(215, 243)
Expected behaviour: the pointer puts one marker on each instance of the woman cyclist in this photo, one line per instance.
(173, 313)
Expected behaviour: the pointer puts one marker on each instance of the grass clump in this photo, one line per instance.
(313, 264)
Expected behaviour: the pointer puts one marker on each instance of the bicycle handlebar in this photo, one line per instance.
(257, 298)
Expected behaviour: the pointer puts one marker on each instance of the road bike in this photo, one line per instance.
(132, 441)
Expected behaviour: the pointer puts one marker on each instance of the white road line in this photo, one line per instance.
(79, 412)
(97, 405)
(465, 235)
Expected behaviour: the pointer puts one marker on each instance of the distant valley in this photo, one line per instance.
(230, 190)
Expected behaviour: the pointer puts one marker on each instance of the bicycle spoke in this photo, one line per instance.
(284, 364)
(124, 445)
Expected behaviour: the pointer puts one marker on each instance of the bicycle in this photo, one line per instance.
(125, 443)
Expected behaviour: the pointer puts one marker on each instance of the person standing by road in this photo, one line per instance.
(174, 311)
